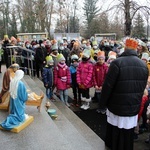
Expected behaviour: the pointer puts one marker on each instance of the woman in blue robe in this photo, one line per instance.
(18, 97)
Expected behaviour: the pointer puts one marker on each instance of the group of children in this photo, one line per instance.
(80, 76)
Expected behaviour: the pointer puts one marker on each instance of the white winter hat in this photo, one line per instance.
(86, 53)
(145, 56)
(112, 55)
(141, 43)
(74, 57)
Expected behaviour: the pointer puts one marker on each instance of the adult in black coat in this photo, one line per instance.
(122, 93)
(40, 54)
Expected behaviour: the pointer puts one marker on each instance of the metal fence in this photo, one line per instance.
(22, 56)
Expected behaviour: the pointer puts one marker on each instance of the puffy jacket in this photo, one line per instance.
(84, 74)
(73, 71)
(47, 76)
(40, 55)
(99, 74)
(62, 78)
(124, 85)
(144, 100)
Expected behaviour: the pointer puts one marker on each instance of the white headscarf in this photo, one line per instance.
(14, 83)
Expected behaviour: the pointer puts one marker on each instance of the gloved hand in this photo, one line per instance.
(81, 86)
(68, 86)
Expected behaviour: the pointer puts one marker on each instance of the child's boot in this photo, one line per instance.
(83, 100)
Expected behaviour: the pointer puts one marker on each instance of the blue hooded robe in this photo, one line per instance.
(17, 108)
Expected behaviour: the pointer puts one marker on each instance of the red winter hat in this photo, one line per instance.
(27, 42)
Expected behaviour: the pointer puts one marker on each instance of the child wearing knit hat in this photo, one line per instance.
(111, 56)
(54, 53)
(84, 78)
(145, 57)
(75, 87)
(48, 77)
(62, 79)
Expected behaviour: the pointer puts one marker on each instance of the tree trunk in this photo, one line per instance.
(128, 21)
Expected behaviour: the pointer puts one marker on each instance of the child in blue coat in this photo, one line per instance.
(75, 87)
(48, 77)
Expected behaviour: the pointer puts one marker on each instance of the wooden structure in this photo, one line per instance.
(21, 126)
(33, 100)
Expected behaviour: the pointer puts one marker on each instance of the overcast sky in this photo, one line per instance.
(107, 4)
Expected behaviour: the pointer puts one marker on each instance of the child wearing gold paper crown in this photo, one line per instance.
(62, 78)
(99, 74)
(48, 77)
(111, 56)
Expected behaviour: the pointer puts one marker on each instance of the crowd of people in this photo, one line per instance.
(119, 71)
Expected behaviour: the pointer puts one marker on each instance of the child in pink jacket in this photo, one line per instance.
(62, 78)
(84, 78)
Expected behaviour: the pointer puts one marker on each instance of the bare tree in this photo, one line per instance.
(130, 8)
(49, 16)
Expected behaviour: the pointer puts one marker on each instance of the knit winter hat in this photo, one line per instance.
(18, 40)
(54, 47)
(53, 42)
(48, 42)
(27, 42)
(5, 36)
(60, 57)
(141, 43)
(131, 44)
(86, 53)
(84, 42)
(49, 59)
(96, 51)
(112, 55)
(94, 43)
(145, 56)
(74, 58)
(13, 39)
(101, 54)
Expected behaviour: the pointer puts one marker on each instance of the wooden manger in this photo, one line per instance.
(33, 100)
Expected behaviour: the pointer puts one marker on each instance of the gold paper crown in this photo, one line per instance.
(53, 42)
(131, 44)
(101, 54)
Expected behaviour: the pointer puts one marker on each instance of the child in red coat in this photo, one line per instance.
(99, 74)
(144, 100)
(62, 78)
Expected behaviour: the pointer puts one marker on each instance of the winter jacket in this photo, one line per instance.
(124, 84)
(144, 100)
(40, 54)
(73, 71)
(47, 76)
(62, 77)
(99, 74)
(84, 74)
